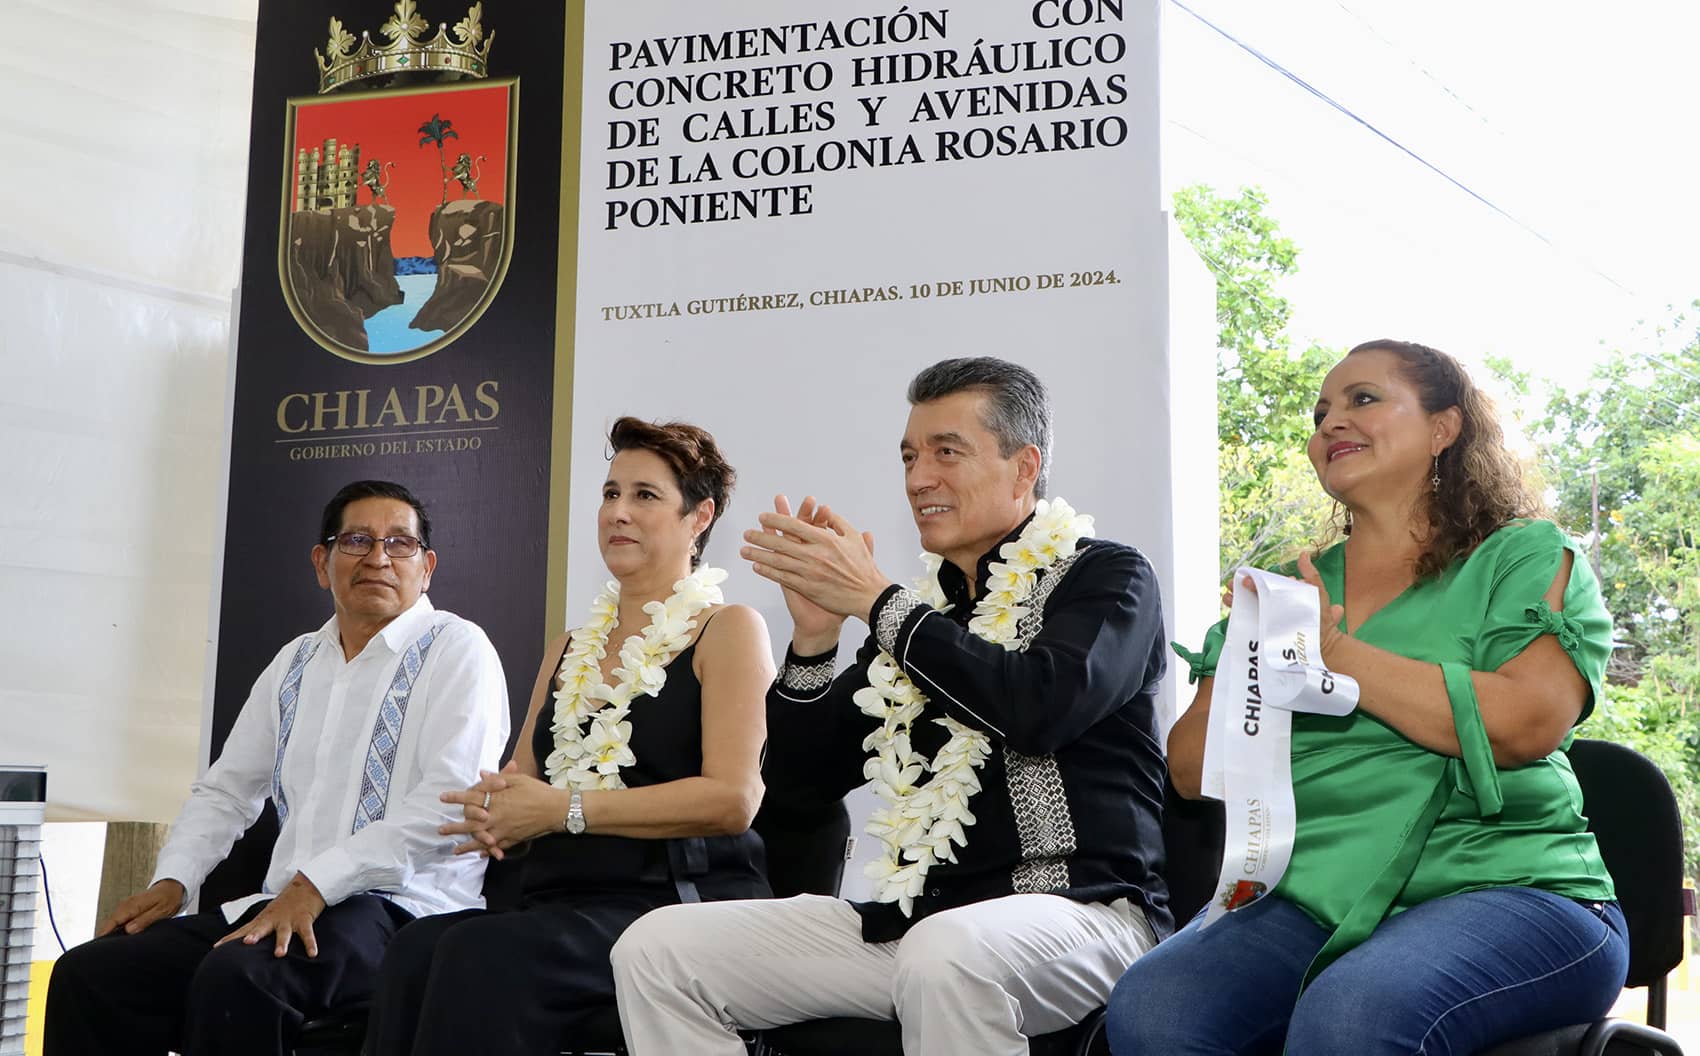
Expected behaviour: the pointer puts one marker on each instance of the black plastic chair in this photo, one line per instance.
(1634, 816)
(1193, 831)
(806, 848)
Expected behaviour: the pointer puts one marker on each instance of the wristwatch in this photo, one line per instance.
(575, 814)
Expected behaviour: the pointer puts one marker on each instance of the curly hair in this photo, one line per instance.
(1481, 483)
(690, 451)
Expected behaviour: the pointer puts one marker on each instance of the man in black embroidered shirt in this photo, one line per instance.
(1019, 869)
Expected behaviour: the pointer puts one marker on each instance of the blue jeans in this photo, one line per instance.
(1450, 976)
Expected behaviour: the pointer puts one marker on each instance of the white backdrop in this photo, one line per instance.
(811, 400)
(127, 150)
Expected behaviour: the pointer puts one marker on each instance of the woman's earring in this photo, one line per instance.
(1348, 520)
(1434, 481)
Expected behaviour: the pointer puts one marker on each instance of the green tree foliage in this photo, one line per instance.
(1657, 717)
(439, 131)
(1271, 504)
(1635, 429)
(1633, 426)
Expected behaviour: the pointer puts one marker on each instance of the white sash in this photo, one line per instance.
(1271, 666)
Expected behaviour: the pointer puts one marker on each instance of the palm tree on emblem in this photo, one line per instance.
(437, 131)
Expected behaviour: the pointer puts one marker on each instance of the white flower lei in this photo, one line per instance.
(922, 819)
(591, 756)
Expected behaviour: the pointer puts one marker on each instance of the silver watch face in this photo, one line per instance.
(575, 815)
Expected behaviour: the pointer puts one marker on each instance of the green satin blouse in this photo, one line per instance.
(1384, 824)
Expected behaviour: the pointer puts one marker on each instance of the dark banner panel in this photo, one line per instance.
(398, 311)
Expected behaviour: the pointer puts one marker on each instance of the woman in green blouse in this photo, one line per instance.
(1444, 893)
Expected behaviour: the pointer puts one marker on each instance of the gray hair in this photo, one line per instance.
(1017, 409)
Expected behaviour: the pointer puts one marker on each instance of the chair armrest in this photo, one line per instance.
(1606, 1032)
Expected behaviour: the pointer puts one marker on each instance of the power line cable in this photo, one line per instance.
(1418, 66)
(1365, 219)
(47, 896)
(1348, 112)
(1667, 365)
(1407, 151)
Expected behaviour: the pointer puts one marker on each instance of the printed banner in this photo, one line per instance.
(760, 216)
(789, 208)
(398, 312)
(1271, 666)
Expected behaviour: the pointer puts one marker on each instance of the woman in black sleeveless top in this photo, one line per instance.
(623, 795)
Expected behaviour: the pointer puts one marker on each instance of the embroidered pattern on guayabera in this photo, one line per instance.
(1043, 823)
(808, 678)
(386, 734)
(288, 692)
(1028, 628)
(889, 620)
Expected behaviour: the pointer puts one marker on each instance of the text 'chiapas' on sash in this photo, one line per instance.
(1271, 666)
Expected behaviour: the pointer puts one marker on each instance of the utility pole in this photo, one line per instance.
(1594, 472)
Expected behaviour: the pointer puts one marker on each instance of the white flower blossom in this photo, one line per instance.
(592, 734)
(923, 819)
(927, 585)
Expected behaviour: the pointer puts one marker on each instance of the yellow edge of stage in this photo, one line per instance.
(566, 314)
(37, 1007)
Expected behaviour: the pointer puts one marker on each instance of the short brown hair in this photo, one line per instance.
(1481, 483)
(695, 459)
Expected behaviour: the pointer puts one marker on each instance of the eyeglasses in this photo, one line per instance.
(359, 544)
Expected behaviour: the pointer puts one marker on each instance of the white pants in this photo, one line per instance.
(976, 980)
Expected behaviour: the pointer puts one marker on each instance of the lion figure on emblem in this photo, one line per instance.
(377, 180)
(463, 173)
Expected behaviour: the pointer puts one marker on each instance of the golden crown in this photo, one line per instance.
(408, 50)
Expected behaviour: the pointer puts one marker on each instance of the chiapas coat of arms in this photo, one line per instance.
(397, 221)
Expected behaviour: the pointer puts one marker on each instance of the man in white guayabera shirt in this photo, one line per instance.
(353, 730)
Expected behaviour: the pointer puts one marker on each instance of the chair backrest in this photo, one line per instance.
(243, 870)
(1634, 816)
(805, 848)
(1193, 830)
